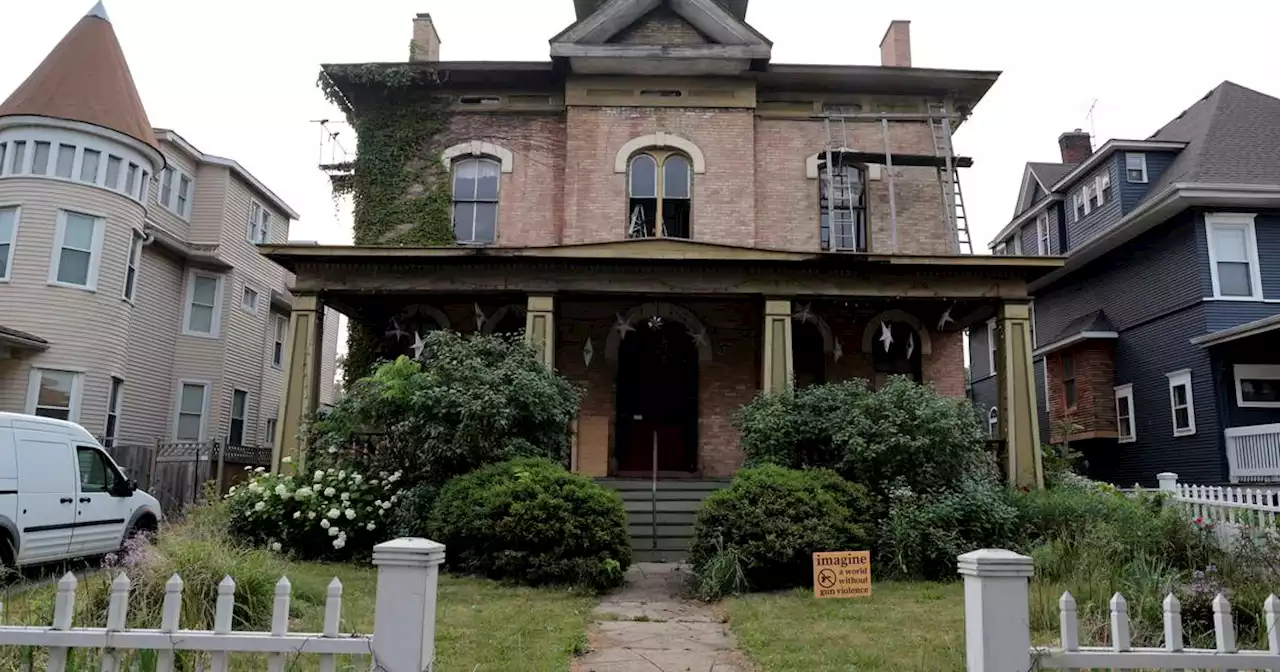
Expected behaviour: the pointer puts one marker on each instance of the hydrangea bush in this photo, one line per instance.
(330, 513)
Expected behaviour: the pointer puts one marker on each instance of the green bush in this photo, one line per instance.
(331, 514)
(468, 401)
(771, 519)
(924, 532)
(902, 435)
(533, 522)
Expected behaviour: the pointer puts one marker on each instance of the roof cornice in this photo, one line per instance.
(1107, 149)
(1026, 216)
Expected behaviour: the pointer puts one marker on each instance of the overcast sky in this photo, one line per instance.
(237, 77)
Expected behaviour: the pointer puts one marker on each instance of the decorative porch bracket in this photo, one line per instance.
(301, 393)
(778, 363)
(540, 328)
(1015, 376)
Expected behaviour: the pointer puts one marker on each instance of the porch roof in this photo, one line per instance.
(1237, 332)
(20, 339)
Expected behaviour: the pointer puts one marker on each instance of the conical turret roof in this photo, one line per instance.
(85, 78)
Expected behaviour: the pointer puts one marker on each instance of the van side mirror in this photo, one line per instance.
(123, 488)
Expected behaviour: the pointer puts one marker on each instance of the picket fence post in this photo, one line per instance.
(404, 621)
(1168, 482)
(997, 624)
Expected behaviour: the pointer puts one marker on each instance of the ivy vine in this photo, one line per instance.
(399, 189)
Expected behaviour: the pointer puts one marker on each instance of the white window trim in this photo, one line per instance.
(1001, 248)
(257, 300)
(113, 411)
(993, 422)
(13, 240)
(1104, 182)
(1017, 244)
(991, 344)
(1176, 378)
(1143, 158)
(269, 431)
(284, 344)
(1077, 205)
(1240, 220)
(95, 251)
(1031, 311)
(133, 261)
(231, 414)
(216, 325)
(1097, 190)
(1255, 371)
(175, 179)
(1126, 392)
(77, 390)
(204, 410)
(1042, 234)
(1084, 198)
(252, 233)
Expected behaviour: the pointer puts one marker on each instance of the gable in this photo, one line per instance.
(660, 26)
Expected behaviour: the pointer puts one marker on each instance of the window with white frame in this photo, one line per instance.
(991, 344)
(1233, 256)
(1181, 403)
(77, 249)
(112, 431)
(193, 405)
(239, 411)
(1135, 167)
(8, 240)
(281, 326)
(52, 393)
(259, 230)
(1103, 185)
(1087, 197)
(89, 165)
(993, 422)
(1042, 234)
(475, 199)
(1001, 249)
(131, 269)
(166, 186)
(1257, 385)
(1126, 430)
(1017, 243)
(249, 300)
(175, 191)
(112, 178)
(1094, 194)
(66, 161)
(18, 160)
(1078, 202)
(40, 158)
(204, 296)
(270, 438)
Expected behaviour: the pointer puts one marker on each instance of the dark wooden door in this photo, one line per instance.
(657, 397)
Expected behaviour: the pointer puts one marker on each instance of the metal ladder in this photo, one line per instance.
(841, 218)
(949, 177)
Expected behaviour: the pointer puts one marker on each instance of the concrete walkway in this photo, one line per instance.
(646, 626)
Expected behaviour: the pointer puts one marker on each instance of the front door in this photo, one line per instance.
(100, 515)
(46, 496)
(657, 400)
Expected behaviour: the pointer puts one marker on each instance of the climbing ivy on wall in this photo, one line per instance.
(400, 191)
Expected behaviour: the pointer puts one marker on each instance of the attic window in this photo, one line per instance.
(661, 93)
(480, 100)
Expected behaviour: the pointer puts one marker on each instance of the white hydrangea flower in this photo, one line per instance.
(297, 515)
(377, 502)
(333, 513)
(319, 475)
(311, 515)
(276, 547)
(324, 522)
(339, 543)
(255, 487)
(371, 527)
(333, 531)
(232, 491)
(346, 496)
(281, 490)
(330, 471)
(350, 513)
(259, 506)
(303, 493)
(332, 449)
(356, 478)
(383, 474)
(286, 460)
(373, 482)
(381, 511)
(248, 467)
(387, 505)
(342, 474)
(259, 470)
(329, 491)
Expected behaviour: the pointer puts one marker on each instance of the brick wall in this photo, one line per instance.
(661, 26)
(1095, 409)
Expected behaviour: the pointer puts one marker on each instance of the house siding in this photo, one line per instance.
(1226, 314)
(162, 216)
(1082, 229)
(985, 393)
(147, 405)
(1133, 193)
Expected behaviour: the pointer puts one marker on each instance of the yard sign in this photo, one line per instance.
(842, 574)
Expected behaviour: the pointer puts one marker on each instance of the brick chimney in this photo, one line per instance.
(426, 41)
(895, 46)
(1075, 145)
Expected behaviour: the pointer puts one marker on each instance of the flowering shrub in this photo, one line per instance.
(326, 514)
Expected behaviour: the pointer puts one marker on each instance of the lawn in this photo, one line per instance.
(481, 626)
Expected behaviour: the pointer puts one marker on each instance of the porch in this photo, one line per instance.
(668, 339)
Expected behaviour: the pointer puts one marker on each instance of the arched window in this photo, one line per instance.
(842, 203)
(475, 200)
(659, 190)
(993, 422)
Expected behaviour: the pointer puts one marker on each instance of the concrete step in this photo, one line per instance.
(663, 543)
(645, 531)
(672, 495)
(659, 556)
(646, 506)
(664, 518)
(629, 484)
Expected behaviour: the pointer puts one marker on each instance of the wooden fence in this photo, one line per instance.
(998, 632)
(403, 638)
(175, 473)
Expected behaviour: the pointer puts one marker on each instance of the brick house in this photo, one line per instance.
(1155, 345)
(653, 206)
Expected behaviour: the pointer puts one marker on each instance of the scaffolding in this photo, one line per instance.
(844, 210)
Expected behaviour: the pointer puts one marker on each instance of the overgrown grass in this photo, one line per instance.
(481, 624)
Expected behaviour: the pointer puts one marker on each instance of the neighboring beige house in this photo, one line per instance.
(133, 299)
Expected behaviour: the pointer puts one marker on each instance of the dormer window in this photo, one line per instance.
(176, 189)
(259, 230)
(659, 190)
(1135, 167)
(1104, 187)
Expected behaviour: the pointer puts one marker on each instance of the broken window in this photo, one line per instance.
(842, 202)
(659, 189)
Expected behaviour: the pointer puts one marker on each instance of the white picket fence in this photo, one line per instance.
(1230, 506)
(998, 628)
(403, 638)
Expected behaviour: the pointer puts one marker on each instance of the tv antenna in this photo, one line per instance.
(1089, 116)
(329, 137)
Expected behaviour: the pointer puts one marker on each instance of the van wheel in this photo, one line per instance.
(145, 527)
(8, 562)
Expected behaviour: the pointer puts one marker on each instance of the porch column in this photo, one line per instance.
(1015, 376)
(778, 363)
(540, 328)
(300, 394)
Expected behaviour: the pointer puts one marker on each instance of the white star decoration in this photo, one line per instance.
(911, 344)
(418, 345)
(804, 314)
(946, 317)
(886, 337)
(480, 318)
(623, 327)
(588, 351)
(395, 331)
(836, 351)
(699, 337)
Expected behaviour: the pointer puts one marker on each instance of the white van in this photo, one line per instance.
(61, 494)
